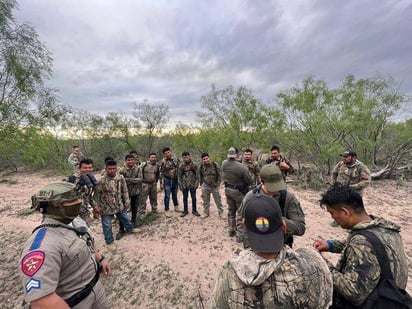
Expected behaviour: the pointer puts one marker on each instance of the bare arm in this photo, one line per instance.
(51, 301)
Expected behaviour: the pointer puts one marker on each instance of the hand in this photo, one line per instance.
(106, 270)
(320, 245)
(96, 212)
(284, 165)
(126, 206)
(162, 187)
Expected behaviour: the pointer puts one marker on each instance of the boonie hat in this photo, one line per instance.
(263, 224)
(231, 152)
(348, 153)
(272, 177)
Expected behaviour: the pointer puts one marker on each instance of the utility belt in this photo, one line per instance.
(169, 178)
(241, 188)
(147, 181)
(78, 297)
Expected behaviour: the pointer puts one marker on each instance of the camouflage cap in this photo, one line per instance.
(56, 193)
(271, 176)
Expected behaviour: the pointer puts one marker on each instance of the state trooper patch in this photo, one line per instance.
(32, 262)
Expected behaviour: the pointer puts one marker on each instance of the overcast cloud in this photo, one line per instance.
(108, 54)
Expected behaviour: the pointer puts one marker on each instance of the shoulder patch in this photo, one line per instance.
(38, 239)
(32, 262)
(33, 284)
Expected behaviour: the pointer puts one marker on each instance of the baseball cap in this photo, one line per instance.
(272, 177)
(348, 153)
(263, 223)
(57, 193)
(231, 152)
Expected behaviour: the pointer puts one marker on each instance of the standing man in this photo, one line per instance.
(210, 177)
(352, 172)
(112, 198)
(188, 176)
(85, 183)
(169, 166)
(75, 157)
(271, 275)
(237, 181)
(252, 166)
(149, 171)
(134, 153)
(358, 271)
(59, 265)
(277, 159)
(274, 186)
(130, 173)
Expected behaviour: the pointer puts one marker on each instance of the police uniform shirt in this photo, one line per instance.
(55, 259)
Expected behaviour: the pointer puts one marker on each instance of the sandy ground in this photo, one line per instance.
(173, 263)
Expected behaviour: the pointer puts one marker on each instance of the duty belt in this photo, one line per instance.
(78, 297)
(228, 185)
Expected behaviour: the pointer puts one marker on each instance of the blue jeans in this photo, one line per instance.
(170, 186)
(192, 196)
(107, 224)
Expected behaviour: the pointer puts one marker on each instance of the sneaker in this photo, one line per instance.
(119, 235)
(194, 212)
(184, 214)
(168, 214)
(177, 209)
(232, 233)
(134, 231)
(204, 216)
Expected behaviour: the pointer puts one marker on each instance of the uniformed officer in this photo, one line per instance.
(237, 181)
(59, 265)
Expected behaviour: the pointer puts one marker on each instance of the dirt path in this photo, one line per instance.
(174, 262)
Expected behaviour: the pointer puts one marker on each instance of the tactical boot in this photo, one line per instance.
(194, 212)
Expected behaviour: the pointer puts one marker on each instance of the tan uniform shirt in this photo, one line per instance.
(149, 172)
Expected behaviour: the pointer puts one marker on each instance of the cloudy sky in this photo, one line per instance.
(110, 53)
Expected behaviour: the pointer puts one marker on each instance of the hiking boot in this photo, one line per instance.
(184, 214)
(168, 214)
(177, 209)
(232, 233)
(195, 213)
(204, 216)
(119, 235)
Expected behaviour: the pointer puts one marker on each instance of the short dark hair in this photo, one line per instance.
(204, 154)
(110, 163)
(128, 156)
(153, 154)
(185, 153)
(339, 196)
(165, 149)
(132, 151)
(108, 159)
(247, 150)
(275, 147)
(75, 146)
(86, 161)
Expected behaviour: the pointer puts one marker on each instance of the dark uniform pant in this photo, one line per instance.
(234, 199)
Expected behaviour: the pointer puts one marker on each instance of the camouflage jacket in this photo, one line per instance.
(149, 172)
(131, 175)
(210, 174)
(168, 168)
(358, 272)
(87, 194)
(112, 194)
(254, 170)
(357, 176)
(292, 214)
(188, 175)
(295, 279)
(75, 158)
(277, 163)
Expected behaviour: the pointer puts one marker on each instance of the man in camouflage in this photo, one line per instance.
(277, 159)
(169, 167)
(252, 166)
(75, 157)
(134, 153)
(271, 275)
(149, 171)
(188, 176)
(130, 173)
(210, 178)
(352, 172)
(358, 272)
(237, 181)
(274, 186)
(112, 198)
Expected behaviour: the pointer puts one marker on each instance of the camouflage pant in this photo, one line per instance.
(149, 189)
(234, 199)
(206, 191)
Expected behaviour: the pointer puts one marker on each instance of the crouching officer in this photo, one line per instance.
(59, 266)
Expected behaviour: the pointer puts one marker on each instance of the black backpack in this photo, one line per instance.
(386, 294)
